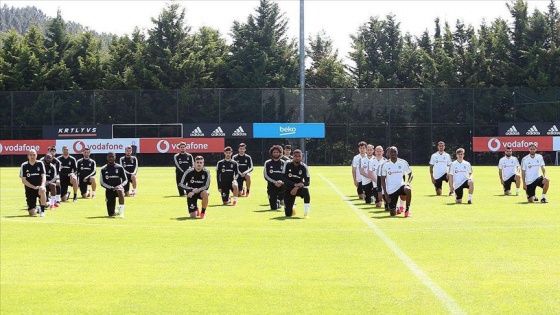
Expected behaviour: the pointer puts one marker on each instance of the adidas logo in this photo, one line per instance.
(197, 132)
(512, 131)
(239, 132)
(533, 131)
(553, 131)
(218, 132)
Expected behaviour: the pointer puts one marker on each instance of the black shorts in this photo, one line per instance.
(395, 197)
(532, 187)
(191, 202)
(64, 183)
(439, 181)
(507, 183)
(31, 196)
(459, 190)
(83, 185)
(360, 188)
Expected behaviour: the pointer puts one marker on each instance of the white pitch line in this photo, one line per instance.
(447, 300)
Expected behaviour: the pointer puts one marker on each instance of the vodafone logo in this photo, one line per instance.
(78, 146)
(162, 146)
(494, 144)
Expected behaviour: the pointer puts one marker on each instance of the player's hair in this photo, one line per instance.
(460, 150)
(48, 154)
(362, 144)
(379, 147)
(242, 145)
(394, 148)
(228, 148)
(441, 142)
(198, 158)
(87, 149)
(53, 148)
(288, 147)
(371, 145)
(297, 150)
(533, 145)
(128, 147)
(64, 147)
(275, 147)
(508, 147)
(182, 143)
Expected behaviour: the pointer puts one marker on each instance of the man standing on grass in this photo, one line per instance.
(245, 164)
(226, 175)
(356, 176)
(183, 161)
(392, 180)
(272, 171)
(113, 178)
(130, 164)
(460, 176)
(439, 166)
(196, 183)
(87, 168)
(530, 165)
(296, 180)
(509, 172)
(33, 177)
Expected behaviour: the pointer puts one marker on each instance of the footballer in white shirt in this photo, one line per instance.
(392, 180)
(508, 167)
(460, 176)
(439, 166)
(356, 172)
(530, 165)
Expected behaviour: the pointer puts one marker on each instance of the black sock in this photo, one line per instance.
(42, 208)
(204, 210)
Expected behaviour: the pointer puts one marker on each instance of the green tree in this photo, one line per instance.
(326, 69)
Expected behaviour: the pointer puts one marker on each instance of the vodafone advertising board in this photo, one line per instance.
(22, 147)
(76, 146)
(498, 144)
(171, 145)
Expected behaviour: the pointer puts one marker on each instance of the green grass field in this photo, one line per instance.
(499, 255)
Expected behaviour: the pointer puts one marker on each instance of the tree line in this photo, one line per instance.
(523, 52)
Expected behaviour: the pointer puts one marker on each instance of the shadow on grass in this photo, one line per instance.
(185, 219)
(388, 217)
(283, 218)
(267, 210)
(174, 196)
(20, 216)
(101, 217)
(379, 211)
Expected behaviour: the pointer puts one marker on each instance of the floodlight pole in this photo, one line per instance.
(302, 74)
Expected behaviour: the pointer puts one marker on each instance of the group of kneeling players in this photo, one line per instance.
(49, 178)
(287, 177)
(381, 179)
(378, 179)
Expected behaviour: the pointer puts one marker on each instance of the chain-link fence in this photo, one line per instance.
(414, 120)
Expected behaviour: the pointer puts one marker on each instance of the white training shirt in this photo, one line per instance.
(461, 172)
(393, 173)
(440, 162)
(376, 164)
(364, 165)
(531, 167)
(356, 165)
(509, 166)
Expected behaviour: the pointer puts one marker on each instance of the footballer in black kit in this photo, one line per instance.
(273, 173)
(87, 169)
(196, 182)
(296, 182)
(67, 174)
(51, 177)
(113, 178)
(130, 164)
(226, 176)
(245, 163)
(33, 177)
(183, 161)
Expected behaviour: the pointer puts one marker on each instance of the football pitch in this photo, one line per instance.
(498, 255)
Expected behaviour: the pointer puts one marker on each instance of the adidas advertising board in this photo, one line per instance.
(529, 129)
(225, 130)
(517, 143)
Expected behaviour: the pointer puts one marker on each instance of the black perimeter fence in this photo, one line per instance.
(414, 120)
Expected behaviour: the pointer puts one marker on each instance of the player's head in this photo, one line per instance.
(48, 158)
(228, 151)
(362, 146)
(298, 155)
(460, 153)
(65, 150)
(182, 147)
(441, 146)
(275, 151)
(111, 157)
(198, 162)
(128, 150)
(393, 152)
(379, 151)
(87, 152)
(32, 155)
(287, 150)
(369, 149)
(242, 147)
(52, 150)
(532, 148)
(508, 151)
